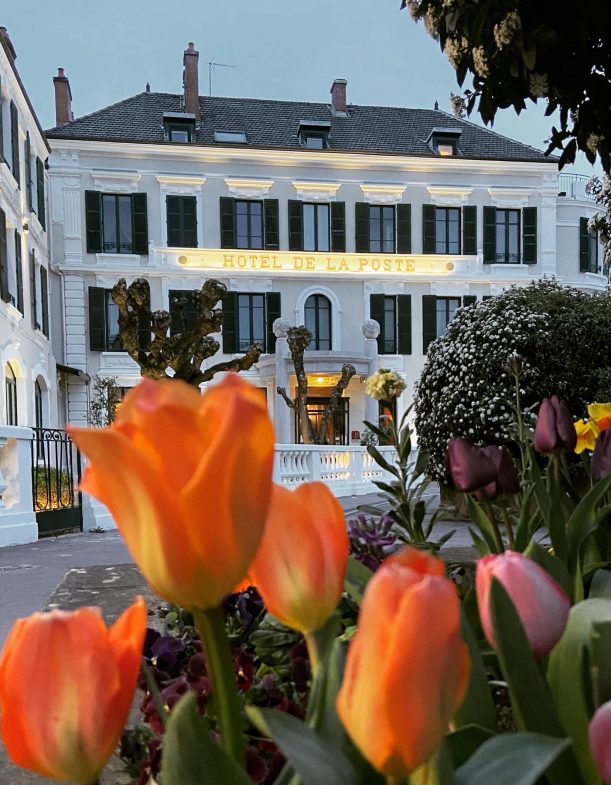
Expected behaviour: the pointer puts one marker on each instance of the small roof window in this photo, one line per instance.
(314, 134)
(445, 141)
(235, 137)
(179, 127)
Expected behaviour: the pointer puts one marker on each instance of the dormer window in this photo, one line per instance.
(179, 127)
(314, 134)
(444, 141)
(233, 137)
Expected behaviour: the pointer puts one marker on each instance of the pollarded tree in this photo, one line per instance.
(185, 351)
(519, 50)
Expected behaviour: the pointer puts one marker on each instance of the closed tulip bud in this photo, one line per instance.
(601, 457)
(554, 431)
(488, 471)
(187, 478)
(300, 566)
(543, 607)
(66, 687)
(600, 741)
(506, 482)
(407, 667)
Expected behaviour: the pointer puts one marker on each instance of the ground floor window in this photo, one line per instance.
(337, 431)
(10, 390)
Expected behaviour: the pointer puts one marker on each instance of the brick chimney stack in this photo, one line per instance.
(190, 79)
(9, 44)
(338, 97)
(63, 98)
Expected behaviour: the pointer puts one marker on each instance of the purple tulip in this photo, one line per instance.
(487, 470)
(554, 431)
(601, 457)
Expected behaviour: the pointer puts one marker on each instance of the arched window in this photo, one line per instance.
(10, 390)
(317, 312)
(38, 404)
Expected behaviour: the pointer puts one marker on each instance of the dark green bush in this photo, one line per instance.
(561, 334)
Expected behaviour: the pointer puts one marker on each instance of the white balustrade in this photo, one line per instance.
(348, 471)
(17, 518)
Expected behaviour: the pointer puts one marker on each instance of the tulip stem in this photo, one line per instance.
(219, 667)
(508, 527)
(313, 654)
(495, 526)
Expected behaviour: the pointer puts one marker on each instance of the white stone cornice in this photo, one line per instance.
(509, 197)
(383, 193)
(449, 195)
(248, 188)
(117, 182)
(316, 190)
(180, 183)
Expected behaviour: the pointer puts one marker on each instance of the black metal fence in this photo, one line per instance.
(56, 473)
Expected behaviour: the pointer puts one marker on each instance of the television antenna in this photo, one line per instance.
(211, 66)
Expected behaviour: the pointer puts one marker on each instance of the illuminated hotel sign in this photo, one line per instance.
(304, 262)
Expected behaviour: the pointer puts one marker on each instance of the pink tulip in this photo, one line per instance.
(600, 741)
(543, 607)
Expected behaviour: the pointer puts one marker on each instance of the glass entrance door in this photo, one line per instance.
(337, 430)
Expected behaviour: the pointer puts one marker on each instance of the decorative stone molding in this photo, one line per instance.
(116, 182)
(281, 327)
(509, 197)
(316, 191)
(382, 193)
(180, 184)
(248, 188)
(449, 195)
(371, 328)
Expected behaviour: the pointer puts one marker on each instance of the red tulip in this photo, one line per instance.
(487, 470)
(600, 741)
(543, 607)
(554, 431)
(407, 668)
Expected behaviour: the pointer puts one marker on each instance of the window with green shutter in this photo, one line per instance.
(428, 228)
(437, 313)
(19, 273)
(588, 248)
(248, 318)
(183, 313)
(181, 215)
(15, 144)
(507, 237)
(34, 291)
(4, 288)
(116, 223)
(338, 227)
(529, 235)
(104, 322)
(28, 171)
(44, 300)
(394, 315)
(383, 228)
(469, 234)
(40, 192)
(249, 223)
(404, 228)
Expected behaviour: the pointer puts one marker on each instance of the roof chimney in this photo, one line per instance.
(338, 97)
(63, 98)
(9, 44)
(190, 80)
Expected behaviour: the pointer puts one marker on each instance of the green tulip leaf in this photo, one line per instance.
(477, 708)
(464, 742)
(190, 756)
(531, 699)
(315, 760)
(483, 523)
(566, 677)
(511, 759)
(583, 518)
(357, 578)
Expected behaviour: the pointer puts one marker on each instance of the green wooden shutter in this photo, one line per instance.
(181, 213)
(529, 235)
(40, 193)
(584, 246)
(361, 227)
(97, 319)
(429, 320)
(15, 143)
(173, 219)
(28, 171)
(376, 311)
(295, 225)
(404, 321)
(404, 228)
(189, 310)
(271, 225)
(93, 221)
(33, 292)
(1, 128)
(140, 224)
(469, 299)
(469, 230)
(428, 228)
(189, 221)
(489, 234)
(227, 207)
(44, 299)
(230, 322)
(487, 297)
(272, 312)
(19, 271)
(338, 227)
(4, 292)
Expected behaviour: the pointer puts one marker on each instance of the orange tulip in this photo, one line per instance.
(187, 478)
(300, 566)
(66, 686)
(407, 667)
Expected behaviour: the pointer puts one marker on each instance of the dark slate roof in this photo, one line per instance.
(275, 124)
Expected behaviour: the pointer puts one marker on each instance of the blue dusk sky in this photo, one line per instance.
(285, 49)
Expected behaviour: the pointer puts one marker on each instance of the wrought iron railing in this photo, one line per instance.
(573, 186)
(56, 473)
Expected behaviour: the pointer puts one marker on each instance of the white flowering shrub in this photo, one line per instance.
(467, 387)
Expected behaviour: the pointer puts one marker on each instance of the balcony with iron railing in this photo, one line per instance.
(573, 186)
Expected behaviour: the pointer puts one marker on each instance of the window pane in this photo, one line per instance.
(125, 224)
(388, 230)
(109, 221)
(308, 228)
(113, 341)
(374, 230)
(390, 325)
(441, 317)
(243, 322)
(500, 236)
(256, 225)
(453, 231)
(241, 224)
(258, 318)
(440, 230)
(514, 247)
(323, 227)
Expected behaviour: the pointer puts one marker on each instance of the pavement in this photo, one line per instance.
(95, 568)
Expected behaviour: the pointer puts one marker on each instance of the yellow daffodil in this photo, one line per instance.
(586, 434)
(600, 413)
